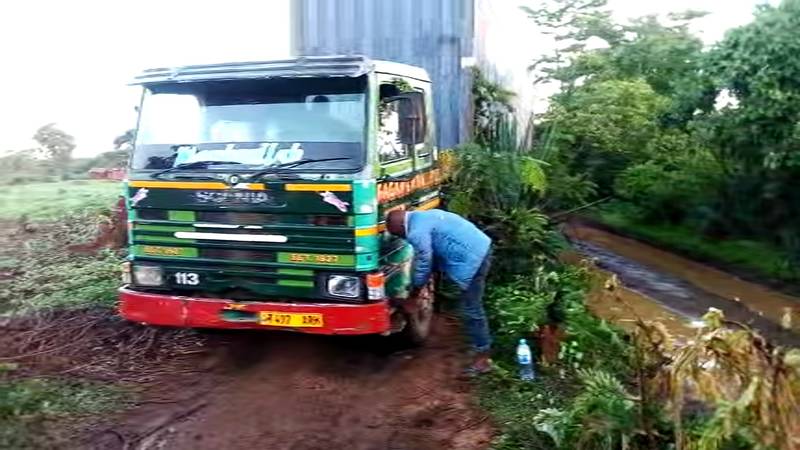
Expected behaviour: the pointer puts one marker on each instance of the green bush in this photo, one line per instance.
(582, 402)
(602, 127)
(519, 307)
(500, 188)
(678, 183)
(603, 416)
(514, 404)
(593, 343)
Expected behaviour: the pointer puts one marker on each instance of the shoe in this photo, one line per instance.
(480, 366)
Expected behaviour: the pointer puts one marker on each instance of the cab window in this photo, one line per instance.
(390, 148)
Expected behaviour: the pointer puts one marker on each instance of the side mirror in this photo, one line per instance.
(413, 118)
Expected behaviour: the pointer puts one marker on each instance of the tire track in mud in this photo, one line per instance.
(286, 391)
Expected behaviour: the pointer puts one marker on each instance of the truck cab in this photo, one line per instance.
(257, 192)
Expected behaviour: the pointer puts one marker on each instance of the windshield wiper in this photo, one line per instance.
(192, 165)
(291, 165)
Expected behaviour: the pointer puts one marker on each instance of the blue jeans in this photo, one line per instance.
(472, 313)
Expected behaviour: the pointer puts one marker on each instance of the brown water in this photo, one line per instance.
(661, 284)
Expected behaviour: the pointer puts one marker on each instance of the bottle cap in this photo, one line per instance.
(523, 341)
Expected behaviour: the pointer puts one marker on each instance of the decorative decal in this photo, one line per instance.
(392, 190)
(140, 195)
(267, 153)
(331, 199)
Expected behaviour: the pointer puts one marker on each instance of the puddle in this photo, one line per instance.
(684, 288)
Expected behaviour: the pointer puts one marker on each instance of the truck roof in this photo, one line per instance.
(304, 66)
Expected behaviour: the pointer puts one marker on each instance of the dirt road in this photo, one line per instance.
(688, 288)
(295, 392)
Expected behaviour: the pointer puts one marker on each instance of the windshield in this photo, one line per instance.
(255, 123)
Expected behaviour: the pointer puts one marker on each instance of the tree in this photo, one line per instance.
(758, 140)
(620, 83)
(603, 126)
(572, 23)
(125, 140)
(55, 144)
(19, 166)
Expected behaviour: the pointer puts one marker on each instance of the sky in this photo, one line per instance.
(69, 62)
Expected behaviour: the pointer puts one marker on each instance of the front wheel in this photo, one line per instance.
(418, 317)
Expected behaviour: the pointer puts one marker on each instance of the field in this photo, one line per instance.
(42, 201)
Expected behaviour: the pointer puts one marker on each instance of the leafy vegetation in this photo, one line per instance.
(47, 274)
(694, 138)
(53, 161)
(636, 121)
(498, 186)
(55, 144)
(727, 389)
(513, 406)
(751, 387)
(25, 404)
(491, 104)
(502, 187)
(42, 224)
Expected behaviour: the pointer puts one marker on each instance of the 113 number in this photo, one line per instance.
(187, 278)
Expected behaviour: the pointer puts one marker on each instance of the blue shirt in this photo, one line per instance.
(447, 241)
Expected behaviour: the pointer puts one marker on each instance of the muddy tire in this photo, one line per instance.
(420, 320)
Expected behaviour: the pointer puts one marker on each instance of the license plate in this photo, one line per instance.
(293, 320)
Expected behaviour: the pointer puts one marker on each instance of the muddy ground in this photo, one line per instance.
(247, 390)
(687, 288)
(273, 390)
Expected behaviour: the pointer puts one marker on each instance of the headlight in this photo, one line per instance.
(344, 286)
(148, 275)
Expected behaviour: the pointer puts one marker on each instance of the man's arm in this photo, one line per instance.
(423, 256)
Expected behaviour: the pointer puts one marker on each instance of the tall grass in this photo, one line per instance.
(48, 201)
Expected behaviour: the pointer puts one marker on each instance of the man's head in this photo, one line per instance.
(321, 104)
(396, 222)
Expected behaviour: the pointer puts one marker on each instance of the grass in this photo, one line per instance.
(759, 258)
(513, 404)
(64, 283)
(28, 405)
(48, 201)
(45, 273)
(37, 412)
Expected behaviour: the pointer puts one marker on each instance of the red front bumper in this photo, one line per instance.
(171, 310)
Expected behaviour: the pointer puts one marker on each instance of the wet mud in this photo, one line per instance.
(276, 390)
(686, 288)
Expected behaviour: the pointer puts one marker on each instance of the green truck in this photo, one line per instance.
(256, 194)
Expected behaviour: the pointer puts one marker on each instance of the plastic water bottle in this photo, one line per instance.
(525, 361)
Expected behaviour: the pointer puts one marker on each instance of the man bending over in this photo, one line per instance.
(453, 245)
